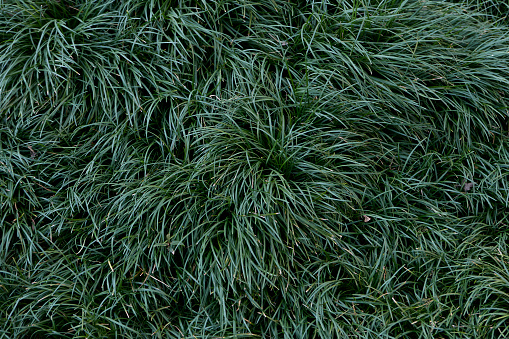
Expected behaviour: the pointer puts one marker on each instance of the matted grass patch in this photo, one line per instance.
(274, 169)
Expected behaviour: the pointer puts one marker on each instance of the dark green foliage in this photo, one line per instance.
(274, 169)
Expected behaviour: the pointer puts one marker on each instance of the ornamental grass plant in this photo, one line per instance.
(242, 168)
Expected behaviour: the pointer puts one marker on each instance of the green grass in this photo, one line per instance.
(274, 169)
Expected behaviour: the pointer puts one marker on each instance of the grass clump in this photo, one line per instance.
(279, 169)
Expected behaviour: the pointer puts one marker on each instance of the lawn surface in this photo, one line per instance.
(242, 168)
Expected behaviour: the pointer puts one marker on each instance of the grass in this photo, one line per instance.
(234, 168)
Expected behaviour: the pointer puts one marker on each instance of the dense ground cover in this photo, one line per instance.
(238, 168)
